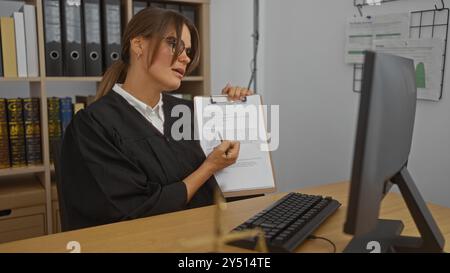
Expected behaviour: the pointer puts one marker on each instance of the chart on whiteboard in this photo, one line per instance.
(428, 62)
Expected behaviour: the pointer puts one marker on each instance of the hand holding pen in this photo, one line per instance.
(223, 155)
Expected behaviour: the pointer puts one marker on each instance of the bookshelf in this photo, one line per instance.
(38, 86)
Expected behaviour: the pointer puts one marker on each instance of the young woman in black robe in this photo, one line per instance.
(118, 158)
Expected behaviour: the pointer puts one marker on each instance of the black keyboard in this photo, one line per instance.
(289, 221)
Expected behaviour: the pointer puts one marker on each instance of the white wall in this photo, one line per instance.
(232, 43)
(305, 74)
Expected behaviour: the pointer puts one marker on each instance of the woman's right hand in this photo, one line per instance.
(222, 156)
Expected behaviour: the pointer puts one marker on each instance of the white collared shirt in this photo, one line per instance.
(154, 115)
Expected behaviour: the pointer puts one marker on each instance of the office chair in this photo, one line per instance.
(56, 147)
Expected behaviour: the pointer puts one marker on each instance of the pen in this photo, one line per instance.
(221, 140)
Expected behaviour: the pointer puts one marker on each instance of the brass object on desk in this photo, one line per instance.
(221, 237)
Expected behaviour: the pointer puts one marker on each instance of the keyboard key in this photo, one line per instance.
(267, 225)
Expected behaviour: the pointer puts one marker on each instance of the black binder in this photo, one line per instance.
(189, 12)
(155, 4)
(92, 38)
(112, 32)
(174, 7)
(53, 48)
(73, 59)
(138, 6)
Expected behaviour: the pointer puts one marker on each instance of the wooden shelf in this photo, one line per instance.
(190, 1)
(22, 170)
(98, 79)
(73, 79)
(32, 79)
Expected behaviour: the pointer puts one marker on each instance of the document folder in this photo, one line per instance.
(93, 41)
(189, 12)
(53, 47)
(138, 6)
(174, 7)
(19, 27)
(29, 14)
(111, 11)
(72, 38)
(156, 4)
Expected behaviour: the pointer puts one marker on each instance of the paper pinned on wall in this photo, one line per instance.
(362, 31)
(428, 62)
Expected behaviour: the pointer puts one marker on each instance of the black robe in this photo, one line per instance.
(116, 166)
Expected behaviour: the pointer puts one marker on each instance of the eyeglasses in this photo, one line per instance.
(172, 42)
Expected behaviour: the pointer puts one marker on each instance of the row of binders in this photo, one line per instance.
(188, 10)
(82, 38)
(20, 127)
(19, 47)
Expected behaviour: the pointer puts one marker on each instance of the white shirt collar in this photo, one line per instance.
(142, 107)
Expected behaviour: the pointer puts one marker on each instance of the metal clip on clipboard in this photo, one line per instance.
(223, 99)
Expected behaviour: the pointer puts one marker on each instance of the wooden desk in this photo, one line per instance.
(175, 232)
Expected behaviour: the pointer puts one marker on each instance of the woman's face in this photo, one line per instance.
(167, 75)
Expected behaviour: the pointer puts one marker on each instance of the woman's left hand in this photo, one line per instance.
(236, 92)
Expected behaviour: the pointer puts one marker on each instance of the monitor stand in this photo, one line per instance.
(386, 236)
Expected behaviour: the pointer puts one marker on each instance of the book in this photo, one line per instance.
(8, 45)
(77, 107)
(16, 132)
(66, 112)
(86, 100)
(31, 113)
(54, 122)
(4, 137)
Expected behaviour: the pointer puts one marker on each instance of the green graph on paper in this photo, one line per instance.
(420, 75)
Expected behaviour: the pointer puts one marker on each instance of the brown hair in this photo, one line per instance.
(149, 23)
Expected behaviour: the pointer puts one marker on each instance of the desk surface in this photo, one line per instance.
(182, 231)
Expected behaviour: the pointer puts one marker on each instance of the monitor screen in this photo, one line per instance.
(383, 135)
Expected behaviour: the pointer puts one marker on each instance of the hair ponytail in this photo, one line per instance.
(116, 73)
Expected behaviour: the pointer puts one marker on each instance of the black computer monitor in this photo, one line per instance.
(383, 142)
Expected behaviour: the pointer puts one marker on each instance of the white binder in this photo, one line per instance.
(20, 44)
(29, 13)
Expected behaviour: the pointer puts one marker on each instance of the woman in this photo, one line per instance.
(118, 159)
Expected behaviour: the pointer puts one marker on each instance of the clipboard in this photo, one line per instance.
(253, 171)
